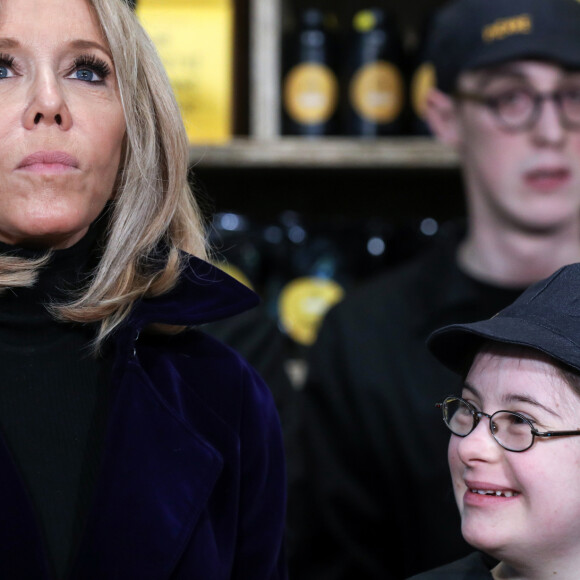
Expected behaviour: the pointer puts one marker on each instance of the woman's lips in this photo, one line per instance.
(49, 162)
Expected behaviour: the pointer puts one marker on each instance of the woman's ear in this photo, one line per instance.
(441, 115)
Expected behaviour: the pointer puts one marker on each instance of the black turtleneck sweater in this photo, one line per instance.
(54, 399)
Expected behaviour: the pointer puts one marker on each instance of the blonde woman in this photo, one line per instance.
(132, 445)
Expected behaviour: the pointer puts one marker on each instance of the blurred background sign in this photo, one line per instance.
(195, 41)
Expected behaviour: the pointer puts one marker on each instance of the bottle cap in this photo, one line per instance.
(367, 20)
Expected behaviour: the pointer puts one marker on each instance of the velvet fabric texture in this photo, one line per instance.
(192, 481)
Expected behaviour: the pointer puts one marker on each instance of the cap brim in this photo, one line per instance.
(456, 345)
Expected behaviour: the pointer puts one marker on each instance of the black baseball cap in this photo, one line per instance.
(546, 317)
(470, 34)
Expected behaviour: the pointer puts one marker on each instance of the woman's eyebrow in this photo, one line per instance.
(82, 44)
(8, 43)
(523, 398)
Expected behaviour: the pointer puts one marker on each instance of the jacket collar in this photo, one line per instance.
(203, 294)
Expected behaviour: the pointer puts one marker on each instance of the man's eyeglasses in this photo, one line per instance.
(519, 110)
(511, 430)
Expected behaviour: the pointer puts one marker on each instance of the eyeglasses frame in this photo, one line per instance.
(538, 98)
(477, 415)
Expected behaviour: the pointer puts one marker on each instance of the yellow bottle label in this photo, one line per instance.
(423, 81)
(303, 303)
(310, 93)
(377, 92)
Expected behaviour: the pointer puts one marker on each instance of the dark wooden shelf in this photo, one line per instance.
(326, 153)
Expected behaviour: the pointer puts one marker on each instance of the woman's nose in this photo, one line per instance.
(47, 104)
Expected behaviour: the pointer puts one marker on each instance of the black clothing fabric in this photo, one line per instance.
(476, 566)
(53, 399)
(370, 492)
(256, 336)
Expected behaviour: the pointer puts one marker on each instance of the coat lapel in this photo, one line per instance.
(157, 475)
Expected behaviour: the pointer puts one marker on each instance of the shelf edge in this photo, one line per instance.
(327, 153)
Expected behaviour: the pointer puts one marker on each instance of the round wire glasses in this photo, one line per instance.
(519, 110)
(511, 430)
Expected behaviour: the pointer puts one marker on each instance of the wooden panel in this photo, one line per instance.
(265, 50)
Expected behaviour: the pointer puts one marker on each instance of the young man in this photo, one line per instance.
(370, 491)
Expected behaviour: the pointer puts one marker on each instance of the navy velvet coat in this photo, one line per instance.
(192, 482)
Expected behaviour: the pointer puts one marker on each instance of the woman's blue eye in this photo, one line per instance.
(85, 74)
(89, 69)
(6, 66)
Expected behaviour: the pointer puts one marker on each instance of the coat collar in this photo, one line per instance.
(203, 294)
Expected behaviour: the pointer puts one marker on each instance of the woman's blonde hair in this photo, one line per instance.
(153, 206)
